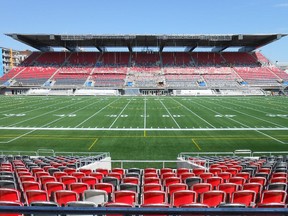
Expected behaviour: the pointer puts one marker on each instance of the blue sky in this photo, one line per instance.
(147, 17)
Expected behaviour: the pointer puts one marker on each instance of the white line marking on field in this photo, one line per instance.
(169, 113)
(45, 125)
(145, 112)
(44, 114)
(120, 114)
(257, 130)
(141, 129)
(95, 113)
(251, 115)
(193, 113)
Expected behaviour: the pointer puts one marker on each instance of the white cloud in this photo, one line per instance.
(281, 5)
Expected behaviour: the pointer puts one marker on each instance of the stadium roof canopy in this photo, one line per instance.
(217, 43)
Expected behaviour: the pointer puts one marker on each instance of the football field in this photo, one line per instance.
(143, 127)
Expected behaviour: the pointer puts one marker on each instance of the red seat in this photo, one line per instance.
(35, 195)
(228, 188)
(103, 171)
(225, 176)
(44, 179)
(198, 171)
(67, 180)
(154, 197)
(206, 175)
(233, 171)
(246, 197)
(215, 170)
(27, 178)
(265, 170)
(127, 197)
(121, 171)
(64, 196)
(180, 171)
(213, 198)
(273, 196)
(30, 185)
(39, 174)
(115, 175)
(133, 180)
(51, 187)
(91, 181)
(87, 172)
(278, 180)
(183, 197)
(244, 175)
(9, 194)
(260, 180)
(78, 187)
(171, 180)
(214, 181)
(279, 174)
(175, 187)
(237, 180)
(152, 187)
(168, 175)
(10, 203)
(97, 175)
(150, 170)
(165, 170)
(78, 175)
(152, 181)
(151, 175)
(109, 188)
(201, 188)
(69, 171)
(254, 186)
(186, 175)
(58, 175)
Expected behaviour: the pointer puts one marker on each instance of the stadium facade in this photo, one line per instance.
(146, 65)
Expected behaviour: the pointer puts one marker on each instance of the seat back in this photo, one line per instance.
(183, 197)
(98, 197)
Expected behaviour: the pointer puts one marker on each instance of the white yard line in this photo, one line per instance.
(40, 107)
(145, 112)
(95, 113)
(193, 113)
(141, 129)
(170, 114)
(45, 125)
(257, 110)
(119, 114)
(248, 126)
(278, 125)
(71, 104)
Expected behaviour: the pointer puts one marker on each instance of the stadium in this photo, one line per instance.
(144, 124)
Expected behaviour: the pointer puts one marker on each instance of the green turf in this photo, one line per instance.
(134, 127)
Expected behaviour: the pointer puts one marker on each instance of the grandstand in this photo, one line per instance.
(156, 70)
(144, 164)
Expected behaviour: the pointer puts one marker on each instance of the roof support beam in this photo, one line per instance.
(247, 49)
(219, 49)
(73, 48)
(161, 48)
(99, 48)
(130, 48)
(190, 48)
(45, 48)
